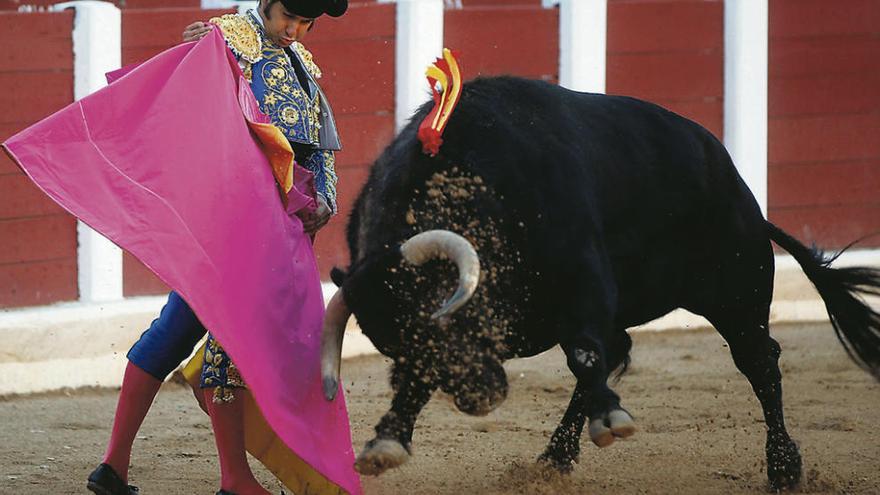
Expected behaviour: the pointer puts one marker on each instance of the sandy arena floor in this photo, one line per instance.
(701, 429)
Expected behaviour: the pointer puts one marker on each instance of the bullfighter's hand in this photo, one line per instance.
(315, 221)
(197, 31)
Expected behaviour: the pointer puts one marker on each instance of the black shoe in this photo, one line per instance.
(105, 481)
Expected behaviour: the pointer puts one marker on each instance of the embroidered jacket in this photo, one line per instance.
(302, 113)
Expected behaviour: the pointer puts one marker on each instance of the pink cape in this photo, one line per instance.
(163, 163)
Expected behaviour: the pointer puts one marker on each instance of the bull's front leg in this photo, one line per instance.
(392, 445)
(593, 399)
(565, 447)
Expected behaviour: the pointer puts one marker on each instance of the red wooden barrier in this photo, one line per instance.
(669, 52)
(37, 238)
(356, 54)
(147, 32)
(824, 156)
(499, 3)
(14, 5)
(520, 40)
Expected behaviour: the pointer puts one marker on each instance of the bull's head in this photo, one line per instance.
(478, 384)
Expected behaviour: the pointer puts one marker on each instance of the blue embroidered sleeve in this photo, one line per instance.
(323, 165)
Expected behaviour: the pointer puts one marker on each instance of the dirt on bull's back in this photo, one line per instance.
(701, 430)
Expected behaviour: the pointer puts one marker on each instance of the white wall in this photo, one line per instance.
(746, 32)
(97, 49)
(583, 36)
(419, 42)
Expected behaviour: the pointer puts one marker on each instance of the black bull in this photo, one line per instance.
(589, 214)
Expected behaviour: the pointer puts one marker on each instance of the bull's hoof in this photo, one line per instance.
(563, 464)
(607, 427)
(784, 466)
(380, 455)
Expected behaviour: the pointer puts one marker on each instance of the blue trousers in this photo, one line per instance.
(171, 338)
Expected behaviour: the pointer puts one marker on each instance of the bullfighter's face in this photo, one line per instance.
(282, 26)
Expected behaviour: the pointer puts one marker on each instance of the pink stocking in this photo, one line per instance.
(227, 419)
(139, 388)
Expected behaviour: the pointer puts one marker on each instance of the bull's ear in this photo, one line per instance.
(337, 276)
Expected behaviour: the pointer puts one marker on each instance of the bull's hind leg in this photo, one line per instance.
(593, 399)
(756, 355)
(732, 288)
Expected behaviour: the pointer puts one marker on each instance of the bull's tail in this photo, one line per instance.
(856, 324)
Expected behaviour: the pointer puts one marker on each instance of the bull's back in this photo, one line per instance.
(650, 187)
(587, 152)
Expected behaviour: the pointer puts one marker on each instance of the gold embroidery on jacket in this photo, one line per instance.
(284, 105)
(307, 59)
(216, 360)
(241, 36)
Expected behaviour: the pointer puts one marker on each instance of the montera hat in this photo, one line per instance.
(315, 8)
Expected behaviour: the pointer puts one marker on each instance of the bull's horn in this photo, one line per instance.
(335, 319)
(445, 244)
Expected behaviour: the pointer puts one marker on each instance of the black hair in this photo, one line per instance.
(269, 6)
(310, 9)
